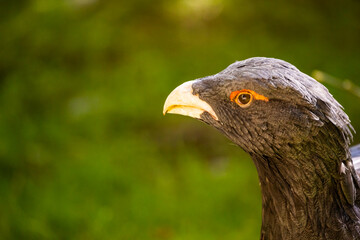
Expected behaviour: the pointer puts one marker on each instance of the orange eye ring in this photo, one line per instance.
(244, 97)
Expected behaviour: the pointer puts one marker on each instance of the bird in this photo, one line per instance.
(298, 137)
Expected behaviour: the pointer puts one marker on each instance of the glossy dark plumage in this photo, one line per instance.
(299, 141)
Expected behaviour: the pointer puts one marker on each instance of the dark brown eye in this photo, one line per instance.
(244, 98)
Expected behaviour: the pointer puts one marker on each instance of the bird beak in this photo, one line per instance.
(182, 101)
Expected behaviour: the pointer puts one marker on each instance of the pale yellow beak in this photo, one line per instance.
(182, 101)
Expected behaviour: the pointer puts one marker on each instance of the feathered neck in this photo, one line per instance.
(309, 192)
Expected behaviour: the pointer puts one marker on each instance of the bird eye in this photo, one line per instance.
(244, 99)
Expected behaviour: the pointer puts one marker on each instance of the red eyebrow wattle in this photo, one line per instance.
(253, 93)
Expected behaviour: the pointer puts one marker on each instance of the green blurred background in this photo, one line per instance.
(85, 152)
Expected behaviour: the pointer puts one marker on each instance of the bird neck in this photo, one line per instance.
(302, 196)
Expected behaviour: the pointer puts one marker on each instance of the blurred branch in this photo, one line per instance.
(342, 84)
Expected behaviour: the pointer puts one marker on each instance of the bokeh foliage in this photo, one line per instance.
(85, 152)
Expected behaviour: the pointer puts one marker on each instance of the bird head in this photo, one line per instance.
(264, 105)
